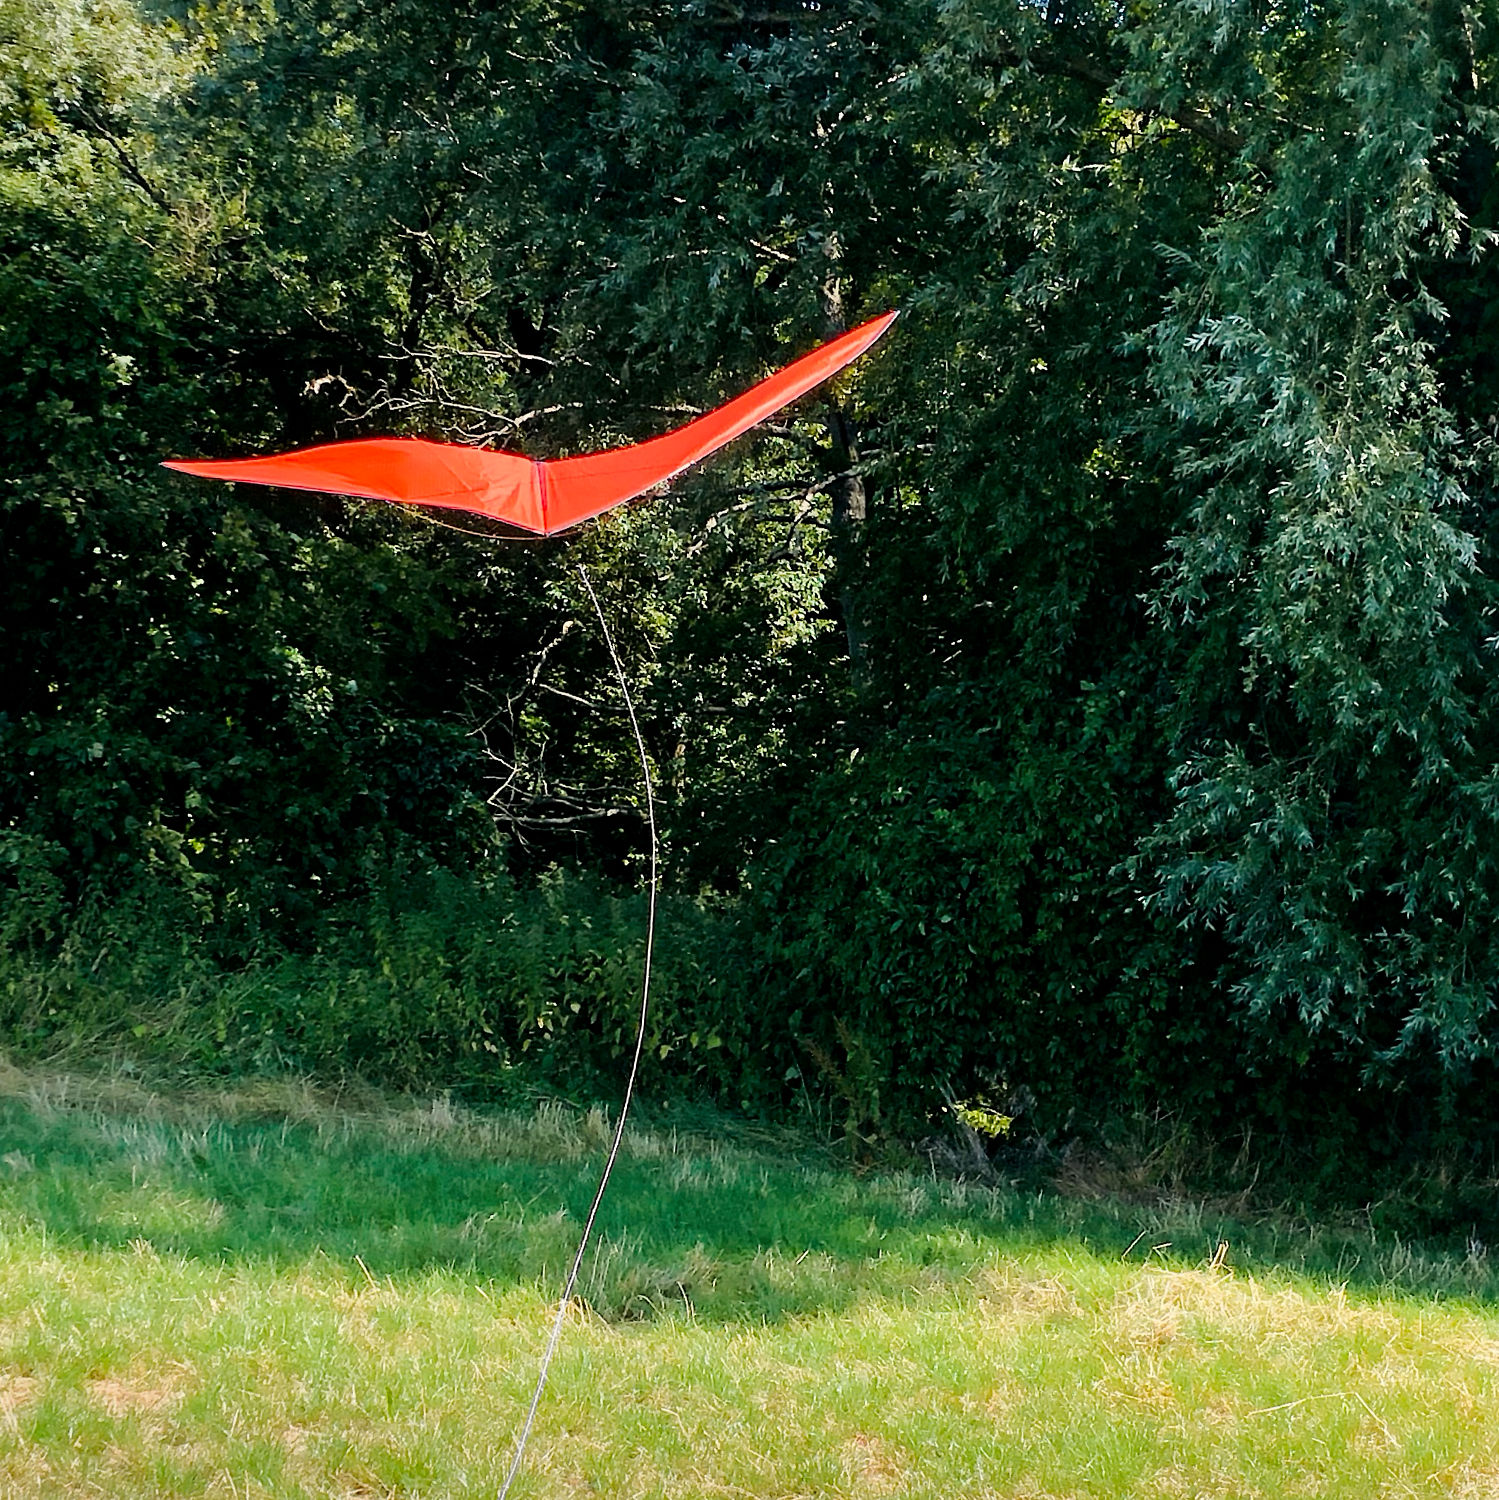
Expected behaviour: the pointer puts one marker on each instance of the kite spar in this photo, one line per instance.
(544, 497)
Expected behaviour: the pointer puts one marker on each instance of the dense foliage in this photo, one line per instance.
(1086, 702)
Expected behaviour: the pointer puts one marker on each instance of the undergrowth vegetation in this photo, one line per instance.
(433, 975)
(490, 988)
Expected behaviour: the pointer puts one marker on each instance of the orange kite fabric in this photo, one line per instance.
(543, 497)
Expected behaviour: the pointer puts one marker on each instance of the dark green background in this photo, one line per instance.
(1086, 702)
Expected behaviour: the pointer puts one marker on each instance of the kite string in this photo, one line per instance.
(484, 536)
(645, 991)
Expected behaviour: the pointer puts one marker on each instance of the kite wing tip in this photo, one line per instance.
(198, 468)
(876, 328)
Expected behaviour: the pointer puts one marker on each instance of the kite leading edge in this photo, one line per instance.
(539, 496)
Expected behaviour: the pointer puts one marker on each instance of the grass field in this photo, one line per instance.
(277, 1292)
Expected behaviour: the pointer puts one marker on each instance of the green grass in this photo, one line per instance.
(275, 1292)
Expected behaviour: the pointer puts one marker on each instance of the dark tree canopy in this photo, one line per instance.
(1089, 695)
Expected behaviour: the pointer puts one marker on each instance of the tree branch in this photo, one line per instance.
(1089, 70)
(127, 162)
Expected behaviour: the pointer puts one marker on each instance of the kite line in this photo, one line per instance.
(624, 1109)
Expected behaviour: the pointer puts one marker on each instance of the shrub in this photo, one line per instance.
(431, 977)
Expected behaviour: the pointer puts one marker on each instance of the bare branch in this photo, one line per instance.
(127, 162)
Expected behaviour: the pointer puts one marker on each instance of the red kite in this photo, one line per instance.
(546, 496)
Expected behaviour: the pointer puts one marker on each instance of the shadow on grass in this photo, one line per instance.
(729, 1233)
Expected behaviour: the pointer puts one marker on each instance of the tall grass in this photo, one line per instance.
(276, 1291)
(432, 974)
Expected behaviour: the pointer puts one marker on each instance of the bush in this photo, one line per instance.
(431, 978)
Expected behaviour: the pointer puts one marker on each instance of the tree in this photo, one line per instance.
(1099, 678)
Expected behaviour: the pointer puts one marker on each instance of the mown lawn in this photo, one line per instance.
(272, 1292)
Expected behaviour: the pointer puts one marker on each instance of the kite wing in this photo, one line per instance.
(579, 488)
(503, 486)
(540, 497)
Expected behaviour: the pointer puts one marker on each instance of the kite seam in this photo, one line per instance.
(624, 1109)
